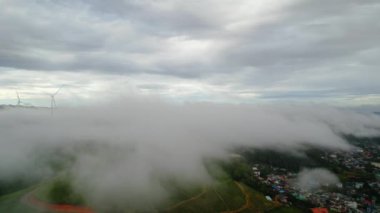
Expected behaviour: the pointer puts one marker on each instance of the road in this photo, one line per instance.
(248, 198)
(204, 190)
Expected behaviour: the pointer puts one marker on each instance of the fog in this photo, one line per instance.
(313, 179)
(125, 149)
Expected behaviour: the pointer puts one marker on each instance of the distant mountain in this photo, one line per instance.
(11, 106)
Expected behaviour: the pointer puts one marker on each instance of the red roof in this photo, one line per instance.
(320, 210)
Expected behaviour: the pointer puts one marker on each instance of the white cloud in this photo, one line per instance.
(126, 147)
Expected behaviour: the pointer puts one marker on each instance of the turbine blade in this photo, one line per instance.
(57, 90)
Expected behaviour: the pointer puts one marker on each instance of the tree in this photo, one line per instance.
(62, 192)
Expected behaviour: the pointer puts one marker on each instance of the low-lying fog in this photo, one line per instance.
(136, 143)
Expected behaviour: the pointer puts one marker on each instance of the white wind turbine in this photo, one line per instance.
(52, 101)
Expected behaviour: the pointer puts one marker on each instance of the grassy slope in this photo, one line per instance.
(11, 203)
(259, 202)
(220, 197)
(225, 195)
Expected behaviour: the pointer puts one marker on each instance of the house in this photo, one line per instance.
(319, 210)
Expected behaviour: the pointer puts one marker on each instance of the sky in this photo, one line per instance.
(228, 51)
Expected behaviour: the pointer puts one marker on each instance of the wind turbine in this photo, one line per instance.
(52, 101)
(21, 103)
(18, 99)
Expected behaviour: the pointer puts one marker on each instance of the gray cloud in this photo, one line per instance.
(295, 45)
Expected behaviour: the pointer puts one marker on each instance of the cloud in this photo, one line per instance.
(269, 48)
(124, 150)
(218, 51)
(313, 179)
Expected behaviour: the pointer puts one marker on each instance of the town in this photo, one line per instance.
(358, 171)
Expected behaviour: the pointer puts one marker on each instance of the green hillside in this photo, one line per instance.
(223, 195)
(12, 203)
